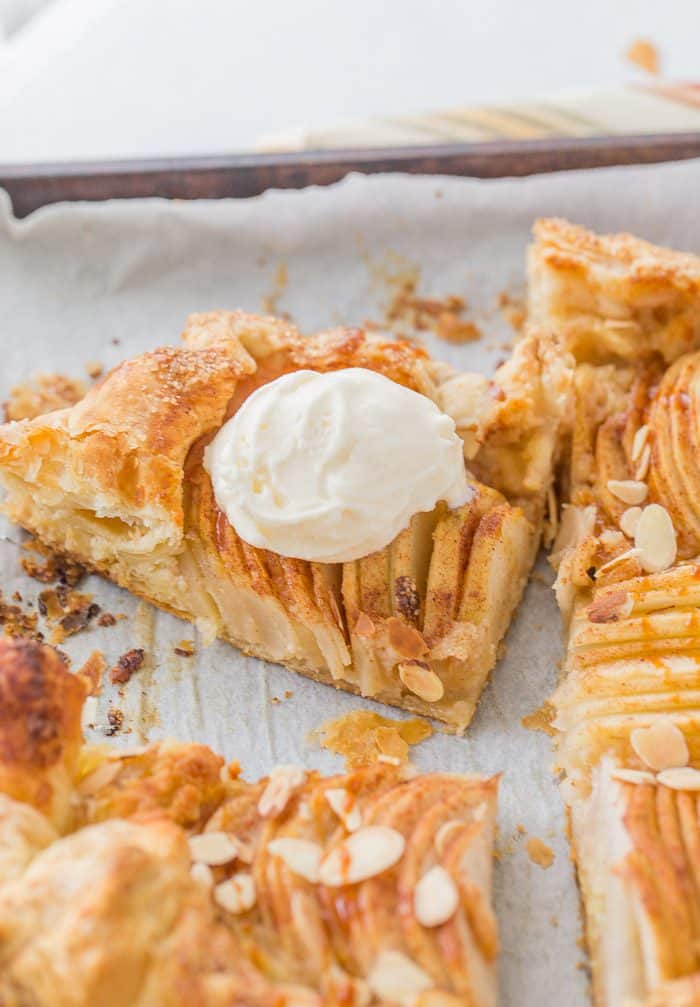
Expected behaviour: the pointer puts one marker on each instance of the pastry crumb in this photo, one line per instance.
(185, 648)
(93, 369)
(539, 853)
(42, 394)
(513, 310)
(115, 721)
(92, 672)
(107, 619)
(643, 53)
(362, 737)
(16, 621)
(52, 567)
(541, 720)
(67, 611)
(127, 664)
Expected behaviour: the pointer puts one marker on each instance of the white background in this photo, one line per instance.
(109, 78)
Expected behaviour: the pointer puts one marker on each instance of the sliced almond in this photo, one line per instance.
(202, 873)
(302, 856)
(406, 640)
(436, 898)
(629, 520)
(642, 469)
(655, 537)
(680, 778)
(394, 978)
(282, 783)
(628, 554)
(442, 836)
(213, 848)
(343, 803)
(660, 746)
(421, 681)
(99, 778)
(237, 894)
(632, 776)
(630, 491)
(639, 441)
(364, 854)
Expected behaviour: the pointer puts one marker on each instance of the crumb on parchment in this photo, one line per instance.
(363, 737)
(42, 394)
(644, 54)
(127, 664)
(539, 853)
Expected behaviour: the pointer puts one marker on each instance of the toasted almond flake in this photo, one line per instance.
(655, 538)
(237, 894)
(282, 783)
(245, 852)
(630, 491)
(660, 746)
(302, 856)
(629, 520)
(343, 803)
(643, 464)
(406, 640)
(436, 898)
(629, 554)
(632, 776)
(99, 778)
(680, 778)
(421, 681)
(364, 854)
(389, 760)
(213, 848)
(639, 441)
(442, 835)
(396, 979)
(202, 873)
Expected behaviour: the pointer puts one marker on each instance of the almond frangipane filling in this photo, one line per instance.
(191, 885)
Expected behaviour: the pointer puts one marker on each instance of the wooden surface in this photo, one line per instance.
(240, 175)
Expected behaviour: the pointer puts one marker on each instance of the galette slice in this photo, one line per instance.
(322, 447)
(627, 555)
(157, 875)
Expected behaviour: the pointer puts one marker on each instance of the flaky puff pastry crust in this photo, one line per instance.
(613, 297)
(118, 483)
(133, 904)
(630, 314)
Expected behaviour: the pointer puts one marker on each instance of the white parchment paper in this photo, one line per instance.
(73, 279)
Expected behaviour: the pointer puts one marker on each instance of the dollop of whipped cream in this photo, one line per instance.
(331, 467)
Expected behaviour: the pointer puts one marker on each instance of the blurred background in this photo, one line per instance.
(104, 79)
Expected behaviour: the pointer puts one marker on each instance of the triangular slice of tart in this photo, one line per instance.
(120, 482)
(628, 559)
(372, 886)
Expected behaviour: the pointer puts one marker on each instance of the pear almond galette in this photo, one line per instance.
(628, 558)
(157, 877)
(307, 499)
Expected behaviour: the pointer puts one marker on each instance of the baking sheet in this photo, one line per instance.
(102, 282)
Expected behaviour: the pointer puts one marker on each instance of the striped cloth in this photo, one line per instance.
(661, 107)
